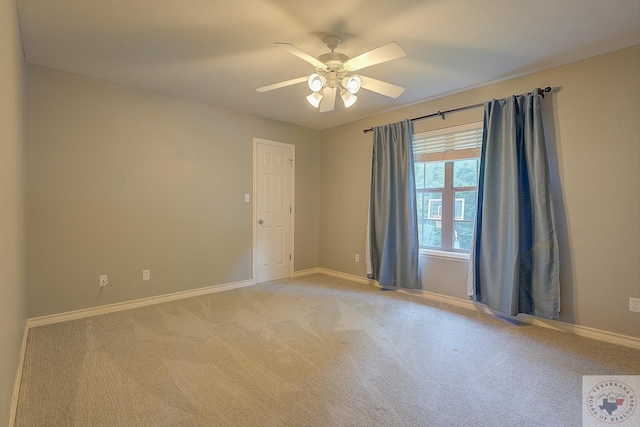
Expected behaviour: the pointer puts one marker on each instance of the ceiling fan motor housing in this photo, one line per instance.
(335, 71)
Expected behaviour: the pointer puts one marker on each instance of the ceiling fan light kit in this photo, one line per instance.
(334, 74)
(348, 86)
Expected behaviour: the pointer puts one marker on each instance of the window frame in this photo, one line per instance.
(448, 156)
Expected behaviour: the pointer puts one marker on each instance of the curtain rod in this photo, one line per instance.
(441, 114)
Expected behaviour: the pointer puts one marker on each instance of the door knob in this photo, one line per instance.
(260, 222)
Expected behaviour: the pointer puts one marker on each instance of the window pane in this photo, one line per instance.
(465, 205)
(465, 173)
(434, 175)
(464, 216)
(463, 232)
(429, 218)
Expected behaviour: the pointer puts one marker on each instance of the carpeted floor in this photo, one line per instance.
(310, 351)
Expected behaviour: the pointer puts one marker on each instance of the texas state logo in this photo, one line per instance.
(610, 400)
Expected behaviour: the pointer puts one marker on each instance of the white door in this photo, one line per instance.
(274, 210)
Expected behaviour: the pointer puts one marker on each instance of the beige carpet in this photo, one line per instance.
(311, 351)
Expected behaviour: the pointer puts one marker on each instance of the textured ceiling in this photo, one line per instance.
(219, 52)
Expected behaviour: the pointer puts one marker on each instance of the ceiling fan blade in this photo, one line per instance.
(379, 55)
(282, 84)
(384, 88)
(301, 54)
(328, 99)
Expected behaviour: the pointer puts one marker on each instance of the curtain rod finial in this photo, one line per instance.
(541, 91)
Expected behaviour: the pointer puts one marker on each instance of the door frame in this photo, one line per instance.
(291, 147)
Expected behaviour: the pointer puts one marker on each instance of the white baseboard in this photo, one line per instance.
(18, 380)
(307, 272)
(347, 276)
(110, 308)
(583, 331)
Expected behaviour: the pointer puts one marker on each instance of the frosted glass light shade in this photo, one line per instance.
(348, 98)
(314, 99)
(316, 82)
(352, 84)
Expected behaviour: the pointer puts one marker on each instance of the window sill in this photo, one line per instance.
(449, 256)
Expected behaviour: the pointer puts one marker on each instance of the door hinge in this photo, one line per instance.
(290, 210)
(289, 257)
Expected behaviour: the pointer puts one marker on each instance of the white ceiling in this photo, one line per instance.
(220, 51)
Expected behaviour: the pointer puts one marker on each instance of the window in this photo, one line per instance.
(446, 169)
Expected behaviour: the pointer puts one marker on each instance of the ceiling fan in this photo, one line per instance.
(335, 74)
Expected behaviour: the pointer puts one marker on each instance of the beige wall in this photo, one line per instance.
(593, 135)
(12, 282)
(120, 180)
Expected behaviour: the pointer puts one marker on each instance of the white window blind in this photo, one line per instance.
(444, 145)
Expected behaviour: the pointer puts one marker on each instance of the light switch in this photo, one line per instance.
(247, 198)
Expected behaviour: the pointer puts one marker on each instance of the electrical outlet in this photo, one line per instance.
(102, 280)
(634, 304)
(357, 257)
(146, 274)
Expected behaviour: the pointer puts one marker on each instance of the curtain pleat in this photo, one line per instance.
(392, 235)
(514, 258)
